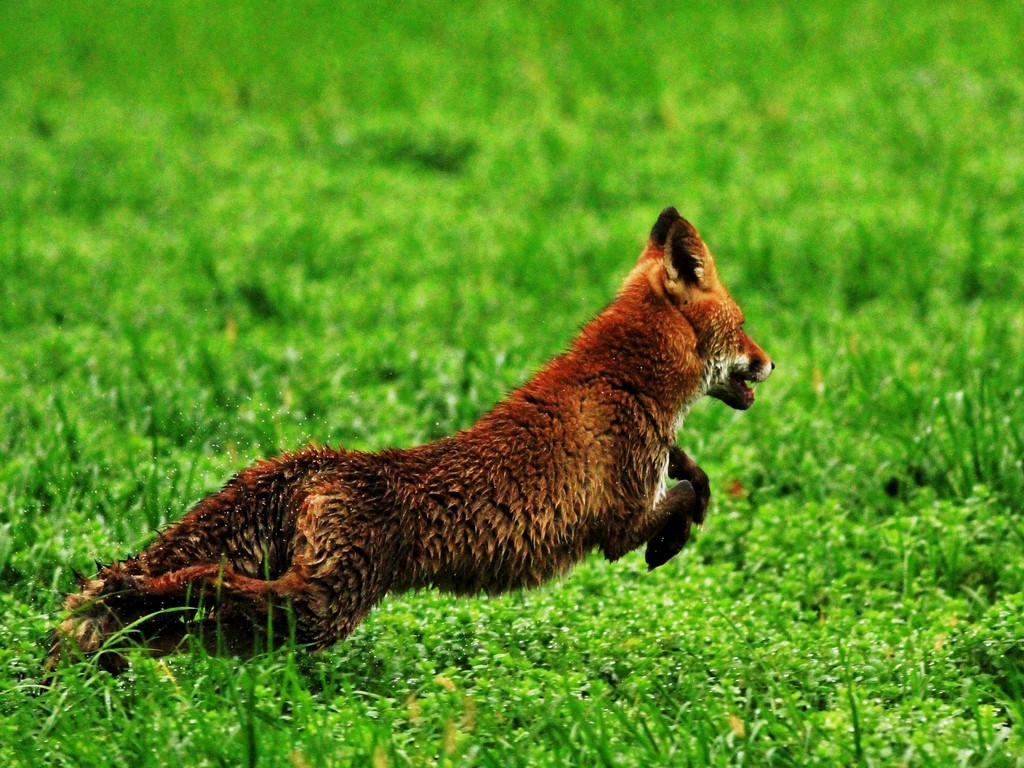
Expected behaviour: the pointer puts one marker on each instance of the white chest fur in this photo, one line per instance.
(662, 489)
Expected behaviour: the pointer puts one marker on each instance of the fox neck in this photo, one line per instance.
(641, 344)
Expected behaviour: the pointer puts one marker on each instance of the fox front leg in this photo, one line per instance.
(684, 504)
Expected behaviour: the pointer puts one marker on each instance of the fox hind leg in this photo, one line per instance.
(245, 614)
(317, 605)
(237, 614)
(122, 607)
(101, 616)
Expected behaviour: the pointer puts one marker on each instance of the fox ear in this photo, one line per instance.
(684, 250)
(659, 232)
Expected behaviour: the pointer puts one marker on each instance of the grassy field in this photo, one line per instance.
(227, 231)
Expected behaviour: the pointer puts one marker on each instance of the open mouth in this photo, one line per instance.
(737, 392)
(744, 390)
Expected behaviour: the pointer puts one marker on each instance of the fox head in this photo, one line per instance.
(680, 269)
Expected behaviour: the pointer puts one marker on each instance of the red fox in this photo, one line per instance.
(307, 543)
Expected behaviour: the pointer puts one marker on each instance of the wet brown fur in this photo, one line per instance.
(575, 459)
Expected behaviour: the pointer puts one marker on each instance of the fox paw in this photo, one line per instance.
(681, 467)
(685, 503)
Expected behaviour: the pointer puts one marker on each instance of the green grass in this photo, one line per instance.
(227, 231)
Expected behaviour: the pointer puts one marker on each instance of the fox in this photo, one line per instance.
(578, 458)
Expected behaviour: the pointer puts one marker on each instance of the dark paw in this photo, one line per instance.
(679, 503)
(682, 467)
